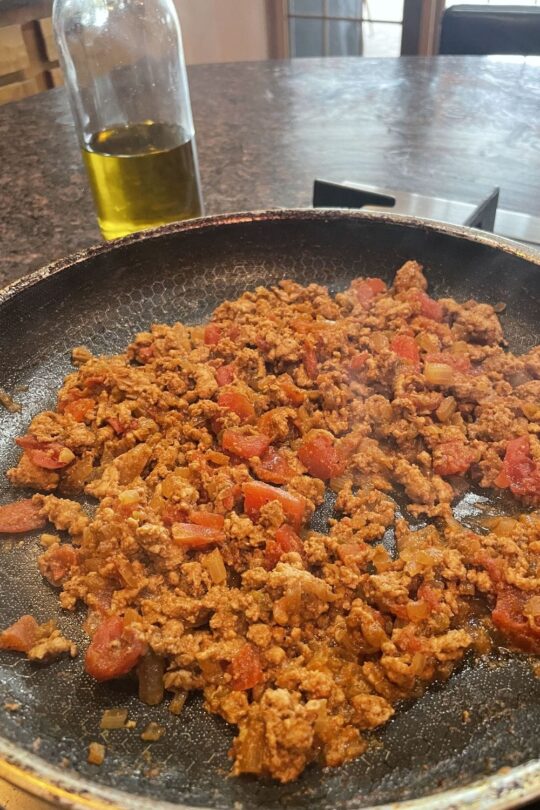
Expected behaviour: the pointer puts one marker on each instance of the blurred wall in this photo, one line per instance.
(223, 30)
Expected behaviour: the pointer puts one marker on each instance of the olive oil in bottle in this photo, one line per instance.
(125, 73)
(142, 175)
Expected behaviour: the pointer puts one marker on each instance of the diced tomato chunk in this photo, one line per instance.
(173, 514)
(429, 307)
(274, 467)
(145, 353)
(407, 348)
(210, 519)
(452, 458)
(193, 535)
(114, 650)
(225, 374)
(256, 494)
(56, 564)
(212, 334)
(242, 445)
(20, 636)
(365, 289)
(79, 409)
(459, 362)
(519, 471)
(245, 669)
(320, 457)
(430, 595)
(120, 427)
(492, 565)
(285, 540)
(237, 403)
(508, 616)
(358, 362)
(295, 395)
(20, 516)
(44, 454)
(311, 363)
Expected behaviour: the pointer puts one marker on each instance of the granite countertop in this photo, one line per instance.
(452, 126)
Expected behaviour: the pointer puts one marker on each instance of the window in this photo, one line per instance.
(345, 27)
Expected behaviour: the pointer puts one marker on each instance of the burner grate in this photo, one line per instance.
(486, 215)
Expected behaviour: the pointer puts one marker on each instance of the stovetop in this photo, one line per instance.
(485, 214)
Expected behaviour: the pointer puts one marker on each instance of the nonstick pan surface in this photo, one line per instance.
(101, 298)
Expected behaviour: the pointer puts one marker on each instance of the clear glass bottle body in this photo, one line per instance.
(124, 68)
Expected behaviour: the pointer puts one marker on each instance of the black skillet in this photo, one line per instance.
(100, 298)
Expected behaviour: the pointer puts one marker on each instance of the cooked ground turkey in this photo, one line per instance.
(208, 450)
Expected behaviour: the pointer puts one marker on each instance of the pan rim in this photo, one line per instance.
(270, 215)
(37, 777)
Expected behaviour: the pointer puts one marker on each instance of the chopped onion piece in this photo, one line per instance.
(113, 718)
(429, 343)
(153, 732)
(379, 341)
(446, 409)
(215, 566)
(439, 373)
(177, 703)
(96, 753)
(250, 752)
(417, 611)
(150, 671)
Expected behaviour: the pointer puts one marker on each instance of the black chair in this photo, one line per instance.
(473, 29)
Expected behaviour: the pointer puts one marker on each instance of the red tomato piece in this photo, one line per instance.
(429, 307)
(244, 446)
(210, 519)
(245, 669)
(321, 459)
(358, 362)
(212, 334)
(145, 353)
(225, 374)
(173, 514)
(452, 458)
(274, 467)
(407, 348)
(509, 618)
(492, 566)
(20, 516)
(79, 409)
(120, 427)
(193, 535)
(430, 595)
(56, 564)
(365, 289)
(311, 364)
(20, 636)
(286, 540)
(113, 651)
(520, 471)
(94, 381)
(459, 362)
(238, 404)
(295, 395)
(256, 494)
(42, 454)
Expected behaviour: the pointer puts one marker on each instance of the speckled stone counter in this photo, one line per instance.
(452, 126)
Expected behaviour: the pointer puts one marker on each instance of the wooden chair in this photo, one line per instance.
(39, 70)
